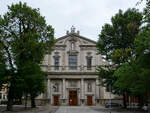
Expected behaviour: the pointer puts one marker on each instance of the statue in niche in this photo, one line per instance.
(72, 46)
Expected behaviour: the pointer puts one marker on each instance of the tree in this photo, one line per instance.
(119, 36)
(128, 73)
(137, 69)
(32, 72)
(25, 38)
(116, 41)
(3, 70)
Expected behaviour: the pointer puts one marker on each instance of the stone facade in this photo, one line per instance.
(3, 93)
(72, 77)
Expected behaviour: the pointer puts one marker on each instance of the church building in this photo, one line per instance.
(72, 76)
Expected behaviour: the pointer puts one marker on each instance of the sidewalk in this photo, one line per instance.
(21, 109)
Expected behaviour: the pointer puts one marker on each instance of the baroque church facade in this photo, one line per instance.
(72, 77)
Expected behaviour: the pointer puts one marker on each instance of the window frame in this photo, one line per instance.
(89, 65)
(73, 61)
(56, 64)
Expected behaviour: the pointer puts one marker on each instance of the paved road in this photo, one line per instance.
(86, 109)
(68, 109)
(65, 109)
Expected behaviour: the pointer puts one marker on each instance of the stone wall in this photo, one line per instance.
(39, 102)
(104, 101)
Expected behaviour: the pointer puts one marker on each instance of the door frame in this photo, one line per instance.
(56, 103)
(73, 98)
(89, 100)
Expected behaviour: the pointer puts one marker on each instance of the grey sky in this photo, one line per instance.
(88, 16)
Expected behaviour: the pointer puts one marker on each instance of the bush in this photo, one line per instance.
(4, 102)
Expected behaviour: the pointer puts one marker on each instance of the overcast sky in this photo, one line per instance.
(88, 16)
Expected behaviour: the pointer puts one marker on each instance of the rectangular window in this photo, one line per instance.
(89, 63)
(56, 63)
(73, 62)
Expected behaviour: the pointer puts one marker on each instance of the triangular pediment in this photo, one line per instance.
(75, 37)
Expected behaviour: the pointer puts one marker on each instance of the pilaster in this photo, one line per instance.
(82, 88)
(64, 87)
(97, 88)
(48, 88)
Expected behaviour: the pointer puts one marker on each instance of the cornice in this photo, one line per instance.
(87, 45)
(73, 73)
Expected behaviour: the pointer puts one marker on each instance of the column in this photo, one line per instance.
(48, 88)
(82, 88)
(51, 92)
(97, 88)
(64, 88)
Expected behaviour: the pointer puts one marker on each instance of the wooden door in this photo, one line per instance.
(56, 100)
(73, 100)
(89, 100)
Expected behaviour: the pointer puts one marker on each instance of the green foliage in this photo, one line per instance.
(116, 43)
(132, 78)
(105, 73)
(147, 13)
(126, 45)
(131, 57)
(2, 69)
(24, 40)
(121, 55)
(119, 36)
(34, 79)
(125, 77)
(4, 102)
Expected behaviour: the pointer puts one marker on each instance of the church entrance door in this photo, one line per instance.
(73, 100)
(89, 100)
(56, 100)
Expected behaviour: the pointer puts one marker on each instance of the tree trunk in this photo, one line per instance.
(33, 102)
(26, 99)
(20, 100)
(141, 101)
(124, 100)
(10, 99)
(146, 99)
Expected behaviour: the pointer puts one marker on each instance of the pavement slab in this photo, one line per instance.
(86, 109)
(76, 109)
